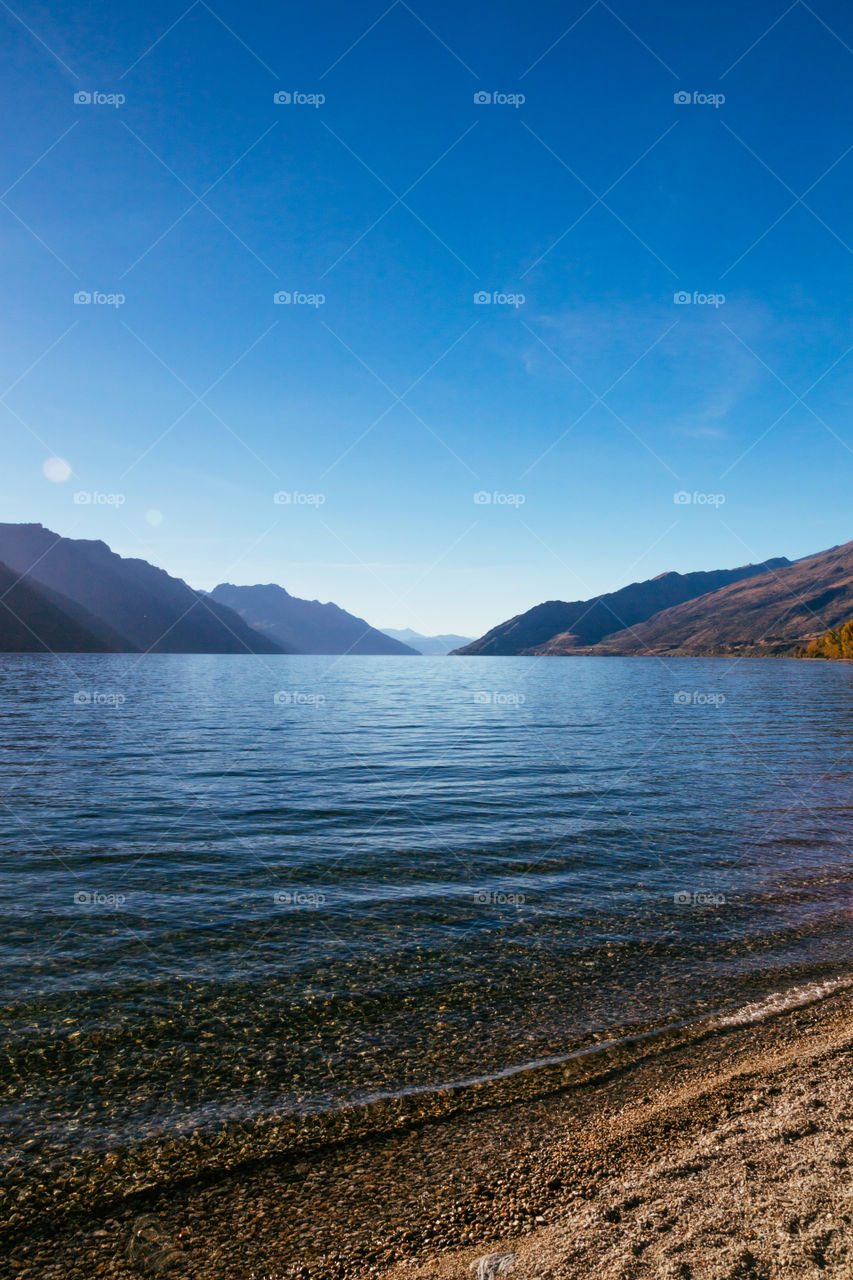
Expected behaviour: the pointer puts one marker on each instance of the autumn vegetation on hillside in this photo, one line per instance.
(836, 643)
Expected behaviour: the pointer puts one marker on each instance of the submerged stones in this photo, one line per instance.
(150, 1248)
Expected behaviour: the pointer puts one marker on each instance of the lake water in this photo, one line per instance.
(236, 887)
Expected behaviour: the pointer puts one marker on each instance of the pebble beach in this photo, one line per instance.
(724, 1157)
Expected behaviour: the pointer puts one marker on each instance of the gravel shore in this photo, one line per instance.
(724, 1159)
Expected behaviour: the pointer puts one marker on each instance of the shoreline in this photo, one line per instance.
(530, 1173)
(94, 1177)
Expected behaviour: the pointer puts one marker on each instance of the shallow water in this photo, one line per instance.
(251, 886)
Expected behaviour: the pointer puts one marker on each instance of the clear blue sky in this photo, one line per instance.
(398, 199)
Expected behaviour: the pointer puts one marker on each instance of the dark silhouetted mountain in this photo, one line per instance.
(578, 625)
(130, 604)
(112, 639)
(305, 625)
(771, 614)
(30, 623)
(431, 646)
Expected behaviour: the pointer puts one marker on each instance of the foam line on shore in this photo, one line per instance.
(782, 1001)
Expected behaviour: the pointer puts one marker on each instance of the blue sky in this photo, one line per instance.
(383, 409)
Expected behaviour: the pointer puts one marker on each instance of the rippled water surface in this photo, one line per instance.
(235, 886)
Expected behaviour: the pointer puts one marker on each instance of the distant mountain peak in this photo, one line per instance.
(272, 587)
(431, 646)
(307, 626)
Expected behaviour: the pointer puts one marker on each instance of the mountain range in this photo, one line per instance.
(431, 646)
(756, 609)
(127, 604)
(74, 595)
(772, 613)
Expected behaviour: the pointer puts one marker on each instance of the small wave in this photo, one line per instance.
(781, 1002)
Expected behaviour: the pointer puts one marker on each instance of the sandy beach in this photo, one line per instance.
(725, 1158)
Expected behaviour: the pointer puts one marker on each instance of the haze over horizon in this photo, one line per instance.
(580, 412)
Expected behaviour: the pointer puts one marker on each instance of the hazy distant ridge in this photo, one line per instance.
(431, 646)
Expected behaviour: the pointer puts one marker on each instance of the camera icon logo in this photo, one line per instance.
(82, 98)
(682, 898)
(482, 498)
(82, 899)
(682, 698)
(82, 699)
(482, 298)
(682, 498)
(681, 97)
(283, 898)
(282, 98)
(481, 98)
(82, 498)
(282, 698)
(282, 298)
(681, 298)
(82, 298)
